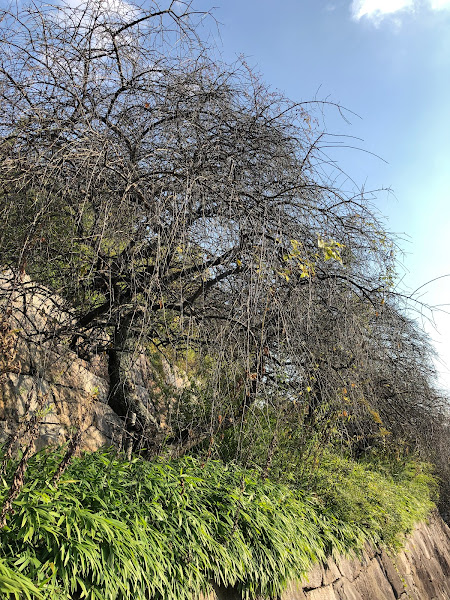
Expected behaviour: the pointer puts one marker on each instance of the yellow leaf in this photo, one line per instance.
(283, 274)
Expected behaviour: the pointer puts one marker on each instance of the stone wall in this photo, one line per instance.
(37, 371)
(421, 571)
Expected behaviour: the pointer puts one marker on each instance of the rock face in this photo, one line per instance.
(38, 372)
(421, 571)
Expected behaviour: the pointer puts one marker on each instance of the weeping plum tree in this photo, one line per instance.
(189, 212)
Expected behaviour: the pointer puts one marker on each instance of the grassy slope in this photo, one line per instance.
(113, 529)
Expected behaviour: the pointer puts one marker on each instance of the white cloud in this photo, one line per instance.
(440, 4)
(376, 10)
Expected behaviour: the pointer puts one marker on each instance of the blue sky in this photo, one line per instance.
(389, 62)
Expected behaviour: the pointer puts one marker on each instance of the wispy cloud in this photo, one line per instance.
(377, 10)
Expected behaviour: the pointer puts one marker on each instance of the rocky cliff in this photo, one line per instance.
(39, 372)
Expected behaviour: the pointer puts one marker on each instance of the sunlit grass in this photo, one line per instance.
(114, 529)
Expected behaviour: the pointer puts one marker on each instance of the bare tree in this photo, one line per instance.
(191, 213)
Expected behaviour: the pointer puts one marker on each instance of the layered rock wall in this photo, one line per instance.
(38, 372)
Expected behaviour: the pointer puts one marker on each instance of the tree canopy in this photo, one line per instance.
(190, 213)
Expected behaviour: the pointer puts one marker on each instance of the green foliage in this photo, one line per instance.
(15, 585)
(383, 502)
(114, 529)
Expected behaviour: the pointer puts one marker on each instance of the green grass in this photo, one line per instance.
(116, 530)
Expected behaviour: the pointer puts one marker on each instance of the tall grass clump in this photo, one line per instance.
(112, 529)
(384, 500)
